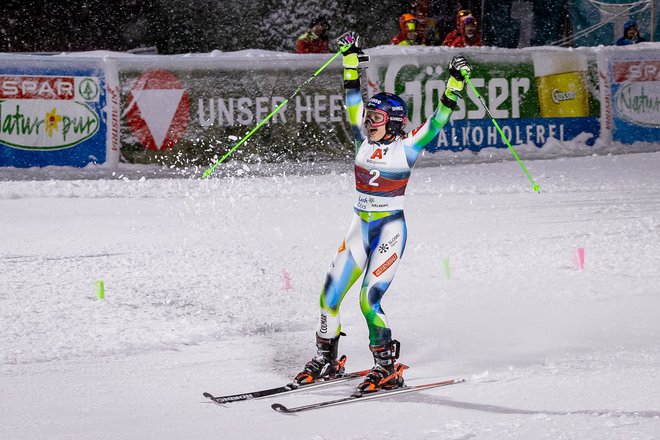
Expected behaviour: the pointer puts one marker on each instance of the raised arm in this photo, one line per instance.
(422, 135)
(350, 44)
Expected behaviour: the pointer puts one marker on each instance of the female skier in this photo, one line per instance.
(376, 238)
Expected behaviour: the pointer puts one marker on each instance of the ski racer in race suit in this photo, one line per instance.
(376, 238)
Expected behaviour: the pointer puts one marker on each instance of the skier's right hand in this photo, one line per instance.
(350, 42)
(350, 45)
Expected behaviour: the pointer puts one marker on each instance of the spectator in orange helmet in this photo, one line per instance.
(409, 34)
(465, 35)
(315, 40)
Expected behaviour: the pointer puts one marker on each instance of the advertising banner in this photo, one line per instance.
(632, 108)
(534, 95)
(190, 110)
(51, 111)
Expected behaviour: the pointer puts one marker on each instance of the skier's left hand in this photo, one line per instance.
(457, 66)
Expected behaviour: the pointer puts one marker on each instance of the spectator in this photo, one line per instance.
(409, 35)
(315, 40)
(630, 34)
(431, 34)
(465, 34)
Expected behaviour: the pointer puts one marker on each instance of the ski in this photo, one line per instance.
(362, 397)
(288, 388)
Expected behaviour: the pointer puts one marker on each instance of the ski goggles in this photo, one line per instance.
(464, 12)
(376, 117)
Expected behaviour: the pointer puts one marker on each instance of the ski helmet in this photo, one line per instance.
(393, 108)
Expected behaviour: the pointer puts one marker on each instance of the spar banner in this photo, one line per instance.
(631, 85)
(535, 95)
(191, 110)
(51, 111)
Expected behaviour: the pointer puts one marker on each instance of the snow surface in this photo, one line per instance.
(196, 300)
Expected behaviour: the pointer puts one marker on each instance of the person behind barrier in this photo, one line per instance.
(315, 40)
(409, 34)
(465, 34)
(630, 34)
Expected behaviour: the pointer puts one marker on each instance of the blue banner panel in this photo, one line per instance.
(51, 111)
(476, 135)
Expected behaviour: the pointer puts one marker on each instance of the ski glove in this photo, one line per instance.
(350, 42)
(350, 45)
(457, 66)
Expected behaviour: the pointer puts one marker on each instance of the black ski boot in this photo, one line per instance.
(325, 365)
(385, 375)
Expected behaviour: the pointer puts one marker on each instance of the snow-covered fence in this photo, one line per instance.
(184, 110)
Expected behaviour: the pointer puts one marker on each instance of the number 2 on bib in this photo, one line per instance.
(376, 175)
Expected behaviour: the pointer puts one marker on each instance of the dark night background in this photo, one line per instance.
(178, 26)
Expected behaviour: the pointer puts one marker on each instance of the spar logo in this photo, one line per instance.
(158, 110)
(45, 113)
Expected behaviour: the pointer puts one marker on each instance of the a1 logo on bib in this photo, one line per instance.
(378, 154)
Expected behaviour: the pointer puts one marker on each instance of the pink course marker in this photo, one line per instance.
(287, 279)
(579, 258)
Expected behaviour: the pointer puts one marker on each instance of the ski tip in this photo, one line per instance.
(208, 395)
(279, 408)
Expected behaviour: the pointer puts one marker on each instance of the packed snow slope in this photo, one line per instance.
(213, 286)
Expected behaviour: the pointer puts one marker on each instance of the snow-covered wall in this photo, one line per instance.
(189, 109)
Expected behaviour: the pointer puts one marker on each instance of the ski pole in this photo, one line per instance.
(209, 170)
(535, 187)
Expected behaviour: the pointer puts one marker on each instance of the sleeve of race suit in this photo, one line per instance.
(353, 98)
(422, 135)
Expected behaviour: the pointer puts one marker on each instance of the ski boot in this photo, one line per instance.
(385, 375)
(324, 365)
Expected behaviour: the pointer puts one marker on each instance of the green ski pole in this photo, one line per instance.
(535, 187)
(209, 170)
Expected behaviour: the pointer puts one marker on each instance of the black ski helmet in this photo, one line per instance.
(394, 107)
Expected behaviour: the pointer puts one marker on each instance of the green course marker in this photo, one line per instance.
(209, 170)
(100, 289)
(535, 187)
(446, 264)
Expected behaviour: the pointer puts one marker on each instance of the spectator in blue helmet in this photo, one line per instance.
(630, 34)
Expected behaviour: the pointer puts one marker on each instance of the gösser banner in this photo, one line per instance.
(534, 95)
(51, 111)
